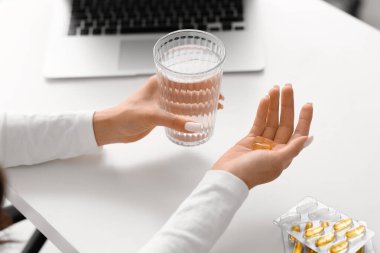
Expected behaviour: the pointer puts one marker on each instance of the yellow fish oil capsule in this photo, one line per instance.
(308, 225)
(355, 232)
(260, 142)
(295, 228)
(361, 250)
(310, 251)
(325, 224)
(342, 224)
(298, 248)
(312, 232)
(340, 247)
(324, 240)
(260, 139)
(258, 146)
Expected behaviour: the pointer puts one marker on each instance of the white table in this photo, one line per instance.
(116, 200)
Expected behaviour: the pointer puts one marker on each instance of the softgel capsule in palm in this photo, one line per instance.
(323, 229)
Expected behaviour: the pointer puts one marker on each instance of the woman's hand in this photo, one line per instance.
(137, 116)
(262, 166)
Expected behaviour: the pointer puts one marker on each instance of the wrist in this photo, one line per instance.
(238, 174)
(229, 180)
(104, 127)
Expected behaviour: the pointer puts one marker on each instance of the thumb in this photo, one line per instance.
(294, 147)
(182, 124)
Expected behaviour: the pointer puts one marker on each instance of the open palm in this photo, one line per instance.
(256, 167)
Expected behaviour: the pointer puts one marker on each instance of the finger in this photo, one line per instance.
(308, 141)
(220, 106)
(221, 97)
(261, 117)
(285, 130)
(304, 121)
(272, 117)
(166, 119)
(291, 150)
(148, 88)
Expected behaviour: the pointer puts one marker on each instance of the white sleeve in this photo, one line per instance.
(31, 139)
(202, 218)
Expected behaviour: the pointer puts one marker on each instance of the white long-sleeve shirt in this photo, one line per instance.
(194, 227)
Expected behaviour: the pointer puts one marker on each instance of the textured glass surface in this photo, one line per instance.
(189, 69)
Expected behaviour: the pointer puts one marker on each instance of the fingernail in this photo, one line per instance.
(193, 127)
(310, 103)
(289, 84)
(308, 141)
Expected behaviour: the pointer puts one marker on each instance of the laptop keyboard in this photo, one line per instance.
(111, 17)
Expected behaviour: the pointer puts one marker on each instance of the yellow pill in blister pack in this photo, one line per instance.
(325, 224)
(312, 232)
(295, 228)
(298, 248)
(342, 224)
(361, 250)
(340, 247)
(324, 240)
(355, 232)
(308, 225)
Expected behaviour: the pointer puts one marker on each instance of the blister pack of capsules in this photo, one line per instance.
(311, 226)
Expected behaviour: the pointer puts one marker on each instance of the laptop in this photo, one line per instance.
(104, 38)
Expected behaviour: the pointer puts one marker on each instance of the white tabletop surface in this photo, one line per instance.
(114, 201)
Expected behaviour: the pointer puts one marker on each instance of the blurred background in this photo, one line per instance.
(366, 10)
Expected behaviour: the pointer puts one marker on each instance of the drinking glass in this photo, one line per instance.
(189, 69)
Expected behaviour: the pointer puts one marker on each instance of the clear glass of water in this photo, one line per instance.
(189, 69)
